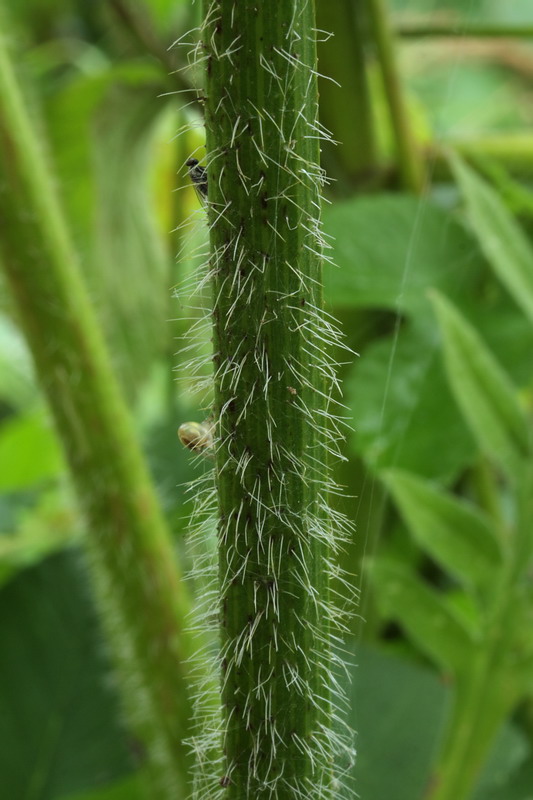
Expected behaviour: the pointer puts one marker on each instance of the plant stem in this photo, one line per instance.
(410, 163)
(345, 105)
(485, 485)
(464, 30)
(272, 388)
(499, 673)
(513, 151)
(478, 713)
(483, 699)
(133, 566)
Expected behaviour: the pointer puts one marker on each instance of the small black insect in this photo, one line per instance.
(198, 176)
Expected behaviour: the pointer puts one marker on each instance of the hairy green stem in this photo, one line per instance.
(134, 570)
(409, 159)
(273, 381)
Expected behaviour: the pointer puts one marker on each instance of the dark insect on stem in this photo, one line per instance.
(198, 176)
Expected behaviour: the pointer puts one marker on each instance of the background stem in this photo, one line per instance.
(464, 30)
(345, 98)
(133, 565)
(410, 164)
(512, 151)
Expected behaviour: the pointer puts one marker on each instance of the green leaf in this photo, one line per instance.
(507, 334)
(29, 452)
(451, 531)
(59, 730)
(46, 527)
(483, 391)
(389, 250)
(406, 416)
(508, 752)
(505, 245)
(518, 787)
(430, 622)
(127, 789)
(398, 710)
(17, 385)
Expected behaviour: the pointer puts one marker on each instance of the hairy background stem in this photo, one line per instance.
(136, 576)
(273, 381)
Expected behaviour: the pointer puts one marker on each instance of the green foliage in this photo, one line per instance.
(435, 293)
(59, 722)
(505, 245)
(484, 393)
(29, 452)
(127, 789)
(106, 126)
(518, 787)
(398, 708)
(489, 557)
(460, 538)
(387, 251)
(432, 622)
(48, 525)
(405, 413)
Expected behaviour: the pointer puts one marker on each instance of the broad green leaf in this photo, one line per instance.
(399, 709)
(483, 391)
(500, 237)
(430, 622)
(127, 789)
(405, 414)
(29, 452)
(59, 722)
(453, 532)
(389, 250)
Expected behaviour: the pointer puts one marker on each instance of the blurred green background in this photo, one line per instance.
(118, 118)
